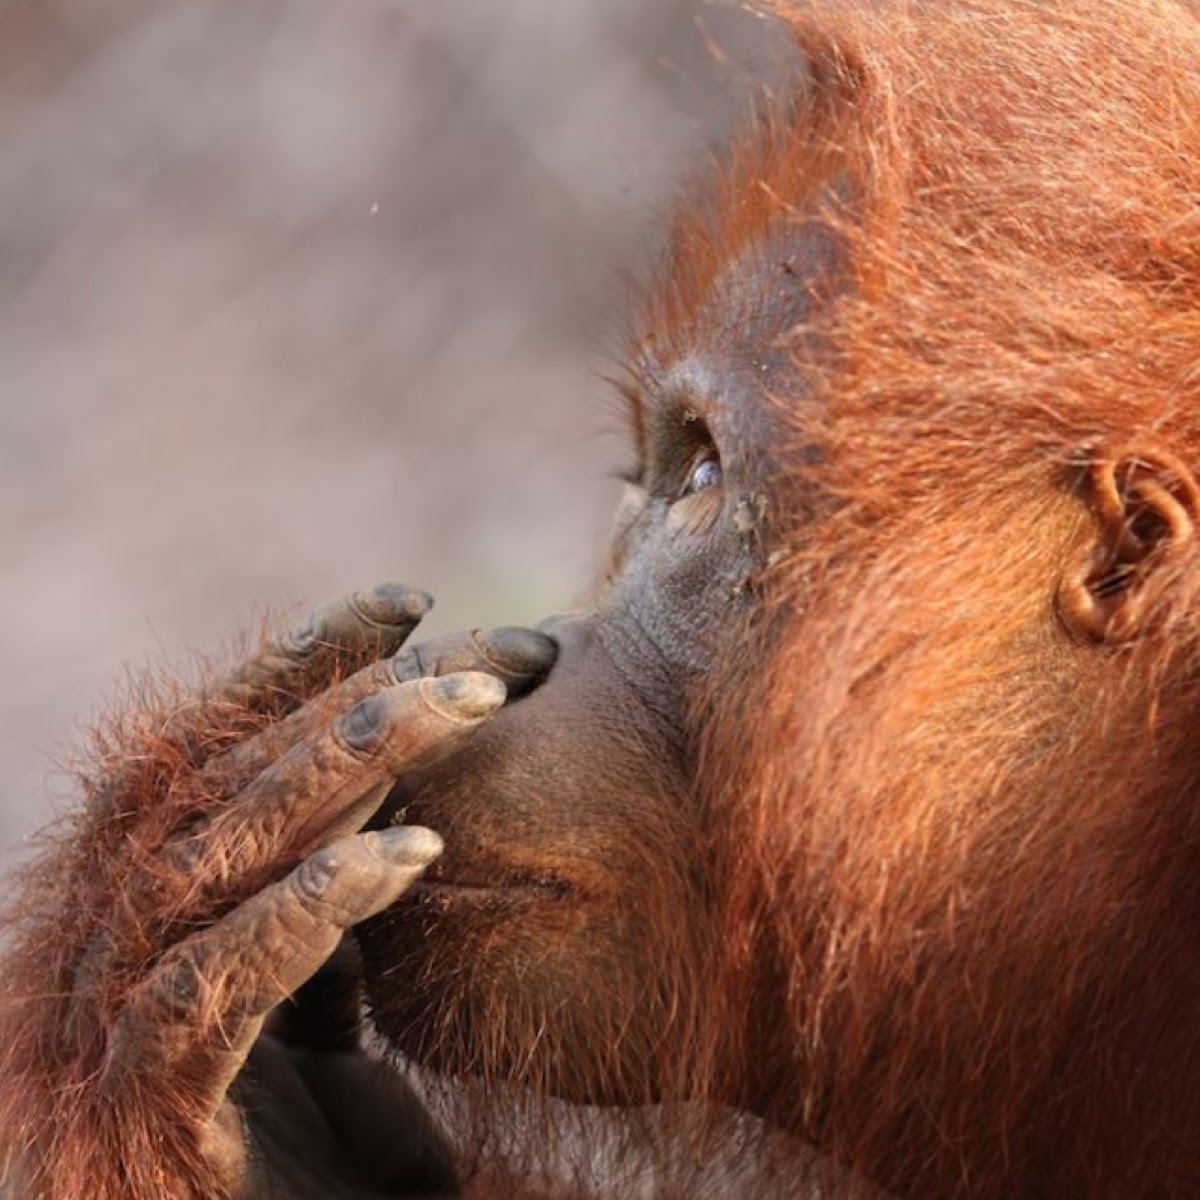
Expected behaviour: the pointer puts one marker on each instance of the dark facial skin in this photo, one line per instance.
(537, 937)
(557, 819)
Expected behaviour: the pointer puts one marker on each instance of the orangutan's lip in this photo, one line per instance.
(445, 893)
(434, 884)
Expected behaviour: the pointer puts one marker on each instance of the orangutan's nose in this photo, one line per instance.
(571, 631)
(564, 624)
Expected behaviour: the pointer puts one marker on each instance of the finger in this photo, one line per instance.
(324, 788)
(516, 655)
(519, 657)
(343, 634)
(201, 1007)
(330, 784)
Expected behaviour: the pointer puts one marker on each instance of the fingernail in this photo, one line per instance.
(391, 604)
(361, 726)
(517, 651)
(405, 845)
(465, 696)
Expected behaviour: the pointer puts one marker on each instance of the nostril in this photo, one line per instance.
(562, 625)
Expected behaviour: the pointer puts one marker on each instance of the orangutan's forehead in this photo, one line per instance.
(736, 345)
(769, 294)
(763, 297)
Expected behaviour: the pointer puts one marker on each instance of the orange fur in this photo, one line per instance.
(958, 854)
(973, 884)
(67, 1135)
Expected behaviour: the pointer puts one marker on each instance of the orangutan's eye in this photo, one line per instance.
(706, 473)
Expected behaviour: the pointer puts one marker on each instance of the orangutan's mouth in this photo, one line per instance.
(442, 885)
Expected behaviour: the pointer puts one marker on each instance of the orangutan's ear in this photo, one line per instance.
(1146, 507)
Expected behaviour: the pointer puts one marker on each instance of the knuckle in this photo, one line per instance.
(407, 665)
(324, 887)
(185, 855)
(177, 990)
(313, 877)
(364, 729)
(299, 642)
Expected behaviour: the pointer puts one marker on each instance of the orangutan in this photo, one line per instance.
(858, 809)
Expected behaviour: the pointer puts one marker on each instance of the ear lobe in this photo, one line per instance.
(1146, 507)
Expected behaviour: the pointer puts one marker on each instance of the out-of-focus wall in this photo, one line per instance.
(298, 296)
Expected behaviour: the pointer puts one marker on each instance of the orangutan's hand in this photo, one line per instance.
(235, 907)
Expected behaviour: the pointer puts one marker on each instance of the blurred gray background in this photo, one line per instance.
(297, 296)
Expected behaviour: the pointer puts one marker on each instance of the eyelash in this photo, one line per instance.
(704, 455)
